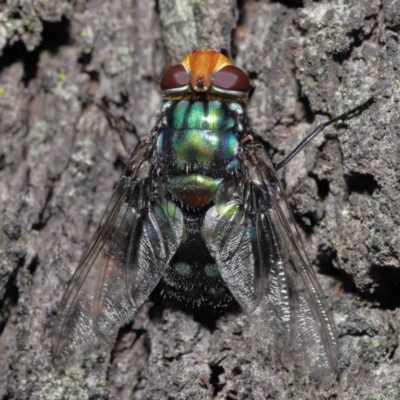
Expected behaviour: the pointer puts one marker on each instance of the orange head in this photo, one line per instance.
(206, 71)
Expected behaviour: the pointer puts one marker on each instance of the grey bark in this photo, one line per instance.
(59, 160)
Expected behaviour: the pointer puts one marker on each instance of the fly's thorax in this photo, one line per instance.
(215, 115)
(198, 141)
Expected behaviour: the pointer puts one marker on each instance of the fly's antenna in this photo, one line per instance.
(320, 128)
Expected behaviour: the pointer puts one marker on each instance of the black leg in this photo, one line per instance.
(119, 124)
(320, 128)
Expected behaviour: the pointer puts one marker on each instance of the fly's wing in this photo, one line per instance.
(126, 258)
(252, 235)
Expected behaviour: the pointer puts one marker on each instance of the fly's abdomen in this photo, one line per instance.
(197, 143)
(192, 276)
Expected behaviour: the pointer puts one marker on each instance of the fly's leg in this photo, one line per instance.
(119, 124)
(319, 129)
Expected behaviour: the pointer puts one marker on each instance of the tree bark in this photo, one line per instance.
(60, 158)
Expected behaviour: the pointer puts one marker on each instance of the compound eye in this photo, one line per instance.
(175, 77)
(231, 79)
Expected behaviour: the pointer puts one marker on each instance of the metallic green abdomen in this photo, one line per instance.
(196, 145)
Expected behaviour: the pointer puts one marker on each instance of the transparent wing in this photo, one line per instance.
(126, 258)
(252, 235)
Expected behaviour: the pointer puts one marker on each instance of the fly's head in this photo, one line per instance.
(206, 72)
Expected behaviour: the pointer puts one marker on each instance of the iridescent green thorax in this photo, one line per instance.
(204, 115)
(197, 142)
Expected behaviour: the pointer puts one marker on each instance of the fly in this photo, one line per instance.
(200, 210)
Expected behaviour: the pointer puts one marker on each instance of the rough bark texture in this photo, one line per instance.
(59, 160)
